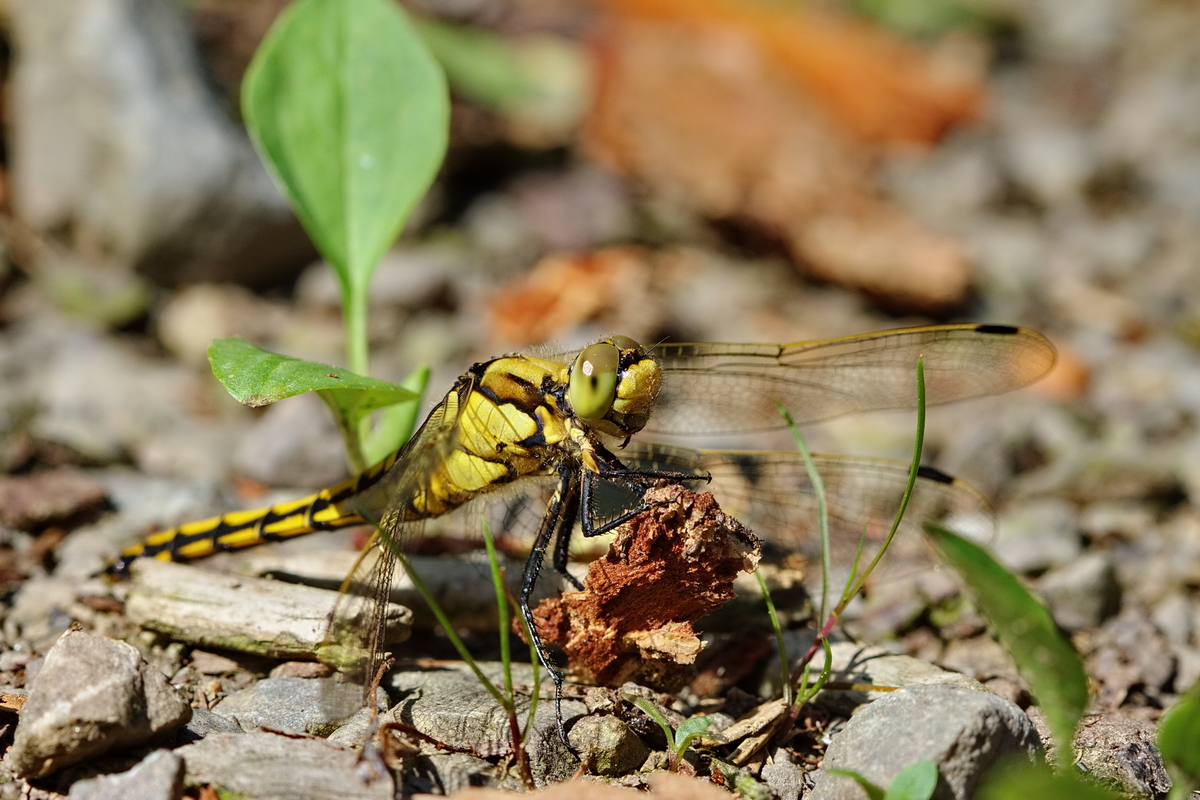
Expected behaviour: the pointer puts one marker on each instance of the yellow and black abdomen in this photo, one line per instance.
(237, 529)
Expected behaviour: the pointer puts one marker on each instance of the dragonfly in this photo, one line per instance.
(565, 427)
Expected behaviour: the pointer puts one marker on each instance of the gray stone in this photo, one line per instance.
(301, 705)
(450, 706)
(294, 443)
(119, 140)
(785, 777)
(875, 666)
(267, 766)
(1038, 535)
(204, 722)
(92, 696)
(1118, 749)
(607, 746)
(1084, 593)
(159, 776)
(964, 732)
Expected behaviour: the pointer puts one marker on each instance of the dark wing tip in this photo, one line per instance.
(1002, 330)
(934, 474)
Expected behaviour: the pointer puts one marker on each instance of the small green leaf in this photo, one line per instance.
(351, 112)
(651, 711)
(1029, 781)
(915, 782)
(688, 730)
(1043, 655)
(256, 377)
(481, 66)
(1179, 738)
(873, 791)
(398, 421)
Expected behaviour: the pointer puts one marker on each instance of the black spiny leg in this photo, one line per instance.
(618, 472)
(558, 520)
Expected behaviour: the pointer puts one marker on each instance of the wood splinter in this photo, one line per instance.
(667, 568)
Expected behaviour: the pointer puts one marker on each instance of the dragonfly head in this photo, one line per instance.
(613, 386)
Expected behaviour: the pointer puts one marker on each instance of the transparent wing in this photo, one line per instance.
(727, 388)
(771, 493)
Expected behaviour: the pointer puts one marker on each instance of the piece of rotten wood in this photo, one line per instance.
(252, 615)
(668, 567)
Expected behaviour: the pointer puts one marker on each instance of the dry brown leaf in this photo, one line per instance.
(874, 84)
(564, 289)
(705, 114)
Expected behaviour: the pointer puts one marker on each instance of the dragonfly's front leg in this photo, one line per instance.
(558, 520)
(618, 472)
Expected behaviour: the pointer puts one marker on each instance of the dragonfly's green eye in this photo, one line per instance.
(593, 382)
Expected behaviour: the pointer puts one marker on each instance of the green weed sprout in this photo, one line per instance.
(678, 739)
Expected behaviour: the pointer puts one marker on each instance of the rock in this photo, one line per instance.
(92, 696)
(44, 498)
(964, 732)
(785, 777)
(251, 615)
(451, 707)
(855, 663)
(607, 746)
(120, 141)
(1038, 535)
(301, 705)
(269, 766)
(159, 776)
(204, 722)
(294, 443)
(1118, 749)
(1083, 593)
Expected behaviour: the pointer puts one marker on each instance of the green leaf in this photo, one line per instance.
(651, 711)
(256, 377)
(351, 112)
(1036, 781)
(1043, 655)
(688, 730)
(1179, 738)
(873, 791)
(481, 66)
(399, 420)
(915, 782)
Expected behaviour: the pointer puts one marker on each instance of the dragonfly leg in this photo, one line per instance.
(562, 552)
(558, 520)
(636, 477)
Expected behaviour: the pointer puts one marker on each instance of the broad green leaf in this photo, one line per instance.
(351, 112)
(915, 782)
(1179, 738)
(1043, 655)
(873, 791)
(398, 421)
(481, 66)
(1037, 781)
(256, 377)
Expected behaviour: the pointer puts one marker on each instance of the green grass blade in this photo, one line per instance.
(784, 669)
(501, 609)
(914, 467)
(1179, 742)
(1043, 655)
(818, 487)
